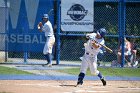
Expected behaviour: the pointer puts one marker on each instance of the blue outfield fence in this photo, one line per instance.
(23, 34)
(20, 38)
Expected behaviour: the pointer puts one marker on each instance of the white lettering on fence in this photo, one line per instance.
(13, 38)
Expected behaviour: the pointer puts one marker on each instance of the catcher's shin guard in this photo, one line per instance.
(80, 79)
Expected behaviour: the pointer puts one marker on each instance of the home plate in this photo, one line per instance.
(79, 91)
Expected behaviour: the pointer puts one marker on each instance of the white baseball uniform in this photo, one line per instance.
(90, 57)
(50, 39)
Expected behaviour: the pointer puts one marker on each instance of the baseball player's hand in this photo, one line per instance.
(95, 44)
(87, 36)
(39, 25)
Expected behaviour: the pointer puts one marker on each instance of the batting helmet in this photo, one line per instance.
(102, 32)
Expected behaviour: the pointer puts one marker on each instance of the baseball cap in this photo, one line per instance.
(45, 16)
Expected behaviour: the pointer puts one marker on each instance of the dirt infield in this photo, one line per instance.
(67, 86)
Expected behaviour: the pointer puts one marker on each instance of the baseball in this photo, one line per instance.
(38, 27)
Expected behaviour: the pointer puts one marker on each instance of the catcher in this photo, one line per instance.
(89, 59)
(50, 39)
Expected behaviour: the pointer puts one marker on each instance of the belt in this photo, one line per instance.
(50, 36)
(89, 54)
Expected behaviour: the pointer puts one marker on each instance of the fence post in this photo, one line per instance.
(7, 28)
(122, 17)
(25, 57)
(58, 34)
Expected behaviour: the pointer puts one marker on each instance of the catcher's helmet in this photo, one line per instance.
(46, 16)
(102, 32)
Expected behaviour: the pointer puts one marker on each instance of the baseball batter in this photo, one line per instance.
(50, 39)
(89, 59)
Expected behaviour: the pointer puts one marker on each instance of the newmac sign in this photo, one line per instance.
(77, 15)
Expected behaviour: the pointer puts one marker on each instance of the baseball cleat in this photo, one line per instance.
(103, 81)
(78, 83)
(48, 64)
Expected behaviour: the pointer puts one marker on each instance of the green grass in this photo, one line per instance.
(7, 71)
(108, 71)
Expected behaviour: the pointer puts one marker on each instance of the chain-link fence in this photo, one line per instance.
(25, 14)
(106, 14)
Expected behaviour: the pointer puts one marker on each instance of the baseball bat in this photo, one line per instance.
(104, 46)
(107, 48)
